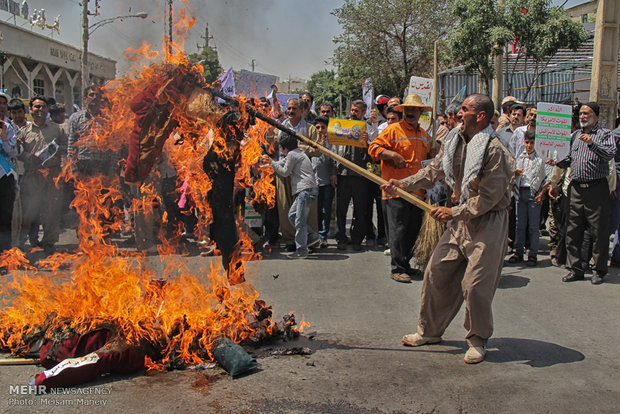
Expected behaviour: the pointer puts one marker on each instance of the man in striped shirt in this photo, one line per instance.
(592, 147)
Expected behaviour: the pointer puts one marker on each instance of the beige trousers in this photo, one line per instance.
(465, 267)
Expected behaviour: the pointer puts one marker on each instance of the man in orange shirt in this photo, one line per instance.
(402, 147)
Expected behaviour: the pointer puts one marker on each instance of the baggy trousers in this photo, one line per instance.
(465, 267)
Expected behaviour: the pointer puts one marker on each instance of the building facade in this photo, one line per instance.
(38, 65)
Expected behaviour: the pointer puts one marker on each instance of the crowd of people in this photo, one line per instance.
(478, 167)
(314, 193)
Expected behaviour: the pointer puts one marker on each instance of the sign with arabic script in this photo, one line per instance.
(553, 122)
(424, 88)
(346, 132)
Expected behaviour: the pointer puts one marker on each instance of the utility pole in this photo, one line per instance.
(604, 79)
(170, 27)
(498, 78)
(206, 38)
(85, 74)
(253, 64)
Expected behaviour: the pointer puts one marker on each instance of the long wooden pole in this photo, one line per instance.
(434, 117)
(361, 171)
(19, 361)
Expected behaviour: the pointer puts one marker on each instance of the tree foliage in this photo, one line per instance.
(209, 60)
(540, 30)
(485, 27)
(388, 41)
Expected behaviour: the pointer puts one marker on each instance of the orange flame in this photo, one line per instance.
(105, 285)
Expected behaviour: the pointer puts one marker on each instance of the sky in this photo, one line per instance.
(283, 37)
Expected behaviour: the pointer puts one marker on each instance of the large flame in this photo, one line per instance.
(177, 311)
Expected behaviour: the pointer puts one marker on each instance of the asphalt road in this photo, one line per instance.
(554, 350)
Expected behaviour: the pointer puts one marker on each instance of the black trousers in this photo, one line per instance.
(588, 211)
(351, 187)
(404, 222)
(7, 198)
(374, 197)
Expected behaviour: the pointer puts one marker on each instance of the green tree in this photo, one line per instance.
(209, 60)
(485, 27)
(540, 30)
(388, 41)
(479, 34)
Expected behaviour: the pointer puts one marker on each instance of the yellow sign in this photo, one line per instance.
(346, 132)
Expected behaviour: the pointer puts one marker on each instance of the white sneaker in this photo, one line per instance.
(417, 340)
(387, 252)
(475, 354)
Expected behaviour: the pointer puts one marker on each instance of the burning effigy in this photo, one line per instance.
(101, 309)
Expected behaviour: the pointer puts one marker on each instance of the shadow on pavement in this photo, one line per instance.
(512, 282)
(532, 352)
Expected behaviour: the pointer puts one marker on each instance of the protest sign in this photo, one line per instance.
(228, 82)
(424, 88)
(553, 122)
(253, 83)
(346, 132)
(367, 93)
(282, 98)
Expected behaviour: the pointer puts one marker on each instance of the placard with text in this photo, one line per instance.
(346, 132)
(553, 124)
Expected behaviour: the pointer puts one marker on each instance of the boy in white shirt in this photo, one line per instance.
(531, 178)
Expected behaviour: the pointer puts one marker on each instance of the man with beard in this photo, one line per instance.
(592, 147)
(467, 262)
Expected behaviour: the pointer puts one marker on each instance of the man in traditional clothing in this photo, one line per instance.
(467, 262)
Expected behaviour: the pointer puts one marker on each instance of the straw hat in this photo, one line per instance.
(509, 99)
(413, 100)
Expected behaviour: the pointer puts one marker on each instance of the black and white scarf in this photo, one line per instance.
(476, 148)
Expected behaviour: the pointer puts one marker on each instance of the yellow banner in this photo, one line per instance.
(346, 132)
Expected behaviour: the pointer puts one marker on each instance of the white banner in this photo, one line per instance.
(228, 83)
(367, 93)
(553, 123)
(424, 88)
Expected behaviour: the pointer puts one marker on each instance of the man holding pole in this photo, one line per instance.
(466, 263)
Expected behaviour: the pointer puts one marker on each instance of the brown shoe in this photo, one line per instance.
(401, 277)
